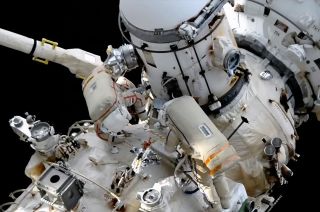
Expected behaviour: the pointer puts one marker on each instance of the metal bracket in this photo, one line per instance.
(45, 41)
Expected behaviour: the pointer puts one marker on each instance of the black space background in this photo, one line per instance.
(54, 95)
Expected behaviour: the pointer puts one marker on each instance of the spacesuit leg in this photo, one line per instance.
(207, 187)
(222, 189)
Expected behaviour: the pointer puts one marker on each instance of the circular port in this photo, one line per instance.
(54, 178)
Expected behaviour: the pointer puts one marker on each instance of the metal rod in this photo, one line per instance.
(243, 120)
(202, 72)
(185, 78)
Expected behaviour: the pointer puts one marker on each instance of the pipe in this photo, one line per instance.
(286, 172)
(269, 151)
(276, 142)
(78, 61)
(15, 41)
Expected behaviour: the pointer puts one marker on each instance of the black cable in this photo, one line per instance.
(191, 180)
(178, 129)
(167, 137)
(202, 71)
(196, 175)
(184, 77)
(33, 47)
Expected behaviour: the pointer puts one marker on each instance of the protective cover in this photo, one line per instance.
(202, 138)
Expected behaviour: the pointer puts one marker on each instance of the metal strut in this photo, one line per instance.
(184, 77)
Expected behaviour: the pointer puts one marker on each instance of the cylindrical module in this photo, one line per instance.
(175, 46)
